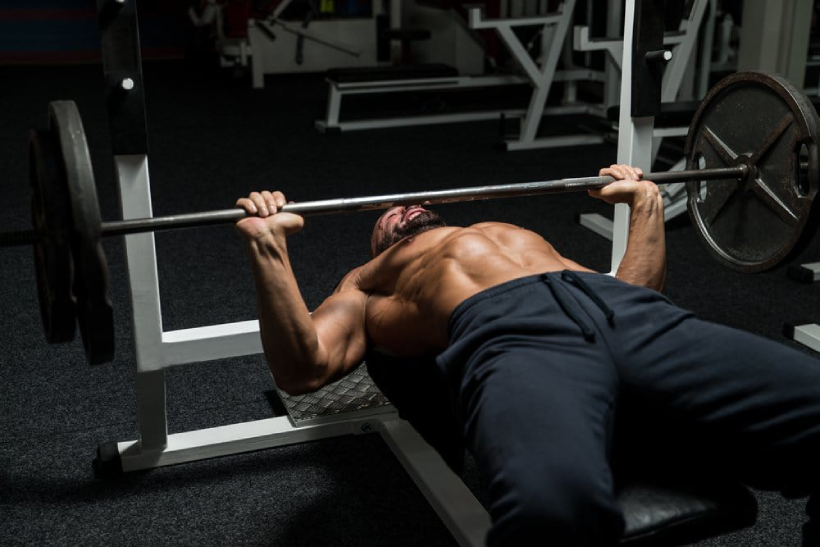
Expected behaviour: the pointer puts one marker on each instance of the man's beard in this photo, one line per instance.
(426, 220)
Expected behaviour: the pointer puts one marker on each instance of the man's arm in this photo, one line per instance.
(644, 262)
(304, 351)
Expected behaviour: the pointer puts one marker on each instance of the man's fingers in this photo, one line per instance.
(263, 203)
(615, 171)
(621, 172)
(247, 205)
(270, 204)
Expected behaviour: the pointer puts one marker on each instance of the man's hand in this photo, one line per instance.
(644, 262)
(627, 188)
(267, 219)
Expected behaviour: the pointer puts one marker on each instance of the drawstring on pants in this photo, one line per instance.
(572, 277)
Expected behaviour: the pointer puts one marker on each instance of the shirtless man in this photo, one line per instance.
(537, 350)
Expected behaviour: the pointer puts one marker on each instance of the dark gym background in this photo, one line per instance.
(213, 139)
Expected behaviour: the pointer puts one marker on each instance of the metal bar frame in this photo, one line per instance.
(539, 76)
(454, 503)
(337, 91)
(634, 141)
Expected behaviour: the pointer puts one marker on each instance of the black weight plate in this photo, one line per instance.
(51, 218)
(95, 314)
(761, 121)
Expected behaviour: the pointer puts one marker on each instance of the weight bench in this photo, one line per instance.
(656, 512)
(353, 405)
(404, 78)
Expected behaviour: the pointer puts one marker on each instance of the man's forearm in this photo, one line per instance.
(644, 262)
(288, 335)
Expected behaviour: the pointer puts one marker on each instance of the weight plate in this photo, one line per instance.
(51, 219)
(95, 314)
(761, 121)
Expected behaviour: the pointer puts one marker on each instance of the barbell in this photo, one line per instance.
(755, 133)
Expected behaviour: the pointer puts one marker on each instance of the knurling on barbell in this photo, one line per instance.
(749, 133)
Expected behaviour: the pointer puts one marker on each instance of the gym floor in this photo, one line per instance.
(213, 139)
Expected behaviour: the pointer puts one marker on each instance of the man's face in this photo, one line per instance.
(400, 222)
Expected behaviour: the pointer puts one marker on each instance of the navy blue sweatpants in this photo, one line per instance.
(538, 366)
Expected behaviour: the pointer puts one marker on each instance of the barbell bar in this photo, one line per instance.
(749, 135)
(372, 203)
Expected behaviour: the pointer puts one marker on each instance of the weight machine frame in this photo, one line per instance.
(540, 74)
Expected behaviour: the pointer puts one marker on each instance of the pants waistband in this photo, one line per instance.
(553, 281)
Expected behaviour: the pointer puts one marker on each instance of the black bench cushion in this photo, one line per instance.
(668, 508)
(673, 514)
(389, 73)
(417, 389)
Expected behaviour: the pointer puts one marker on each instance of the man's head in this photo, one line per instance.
(400, 222)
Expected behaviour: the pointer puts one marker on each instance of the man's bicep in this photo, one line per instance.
(340, 327)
